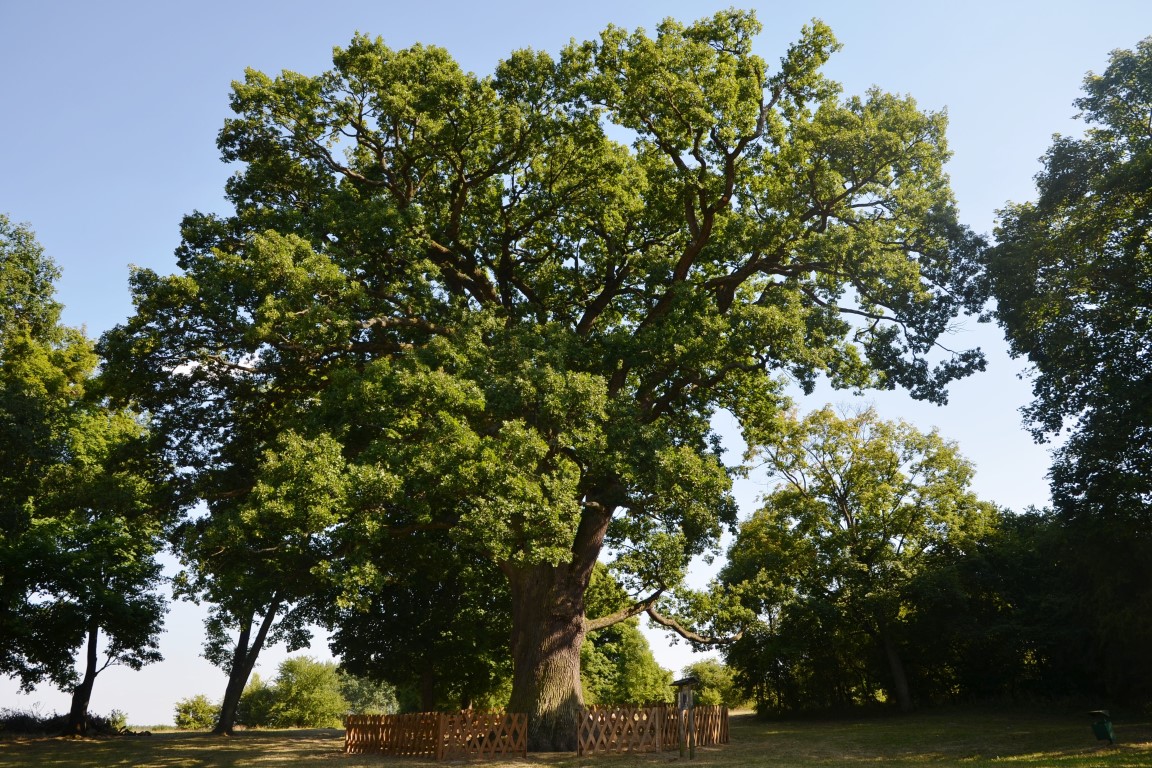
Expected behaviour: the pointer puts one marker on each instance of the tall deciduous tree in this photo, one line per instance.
(100, 510)
(861, 507)
(1072, 276)
(518, 327)
(42, 367)
(253, 557)
(79, 527)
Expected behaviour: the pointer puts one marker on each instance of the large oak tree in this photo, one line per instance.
(517, 300)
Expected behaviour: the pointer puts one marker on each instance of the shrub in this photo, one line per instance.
(368, 697)
(32, 723)
(197, 713)
(117, 721)
(24, 722)
(308, 695)
(256, 703)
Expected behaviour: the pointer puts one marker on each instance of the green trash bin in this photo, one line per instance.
(1102, 728)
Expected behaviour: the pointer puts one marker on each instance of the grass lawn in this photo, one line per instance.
(966, 738)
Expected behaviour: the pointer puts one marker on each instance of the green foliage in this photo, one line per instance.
(717, 684)
(79, 495)
(367, 697)
(1071, 270)
(29, 277)
(616, 663)
(256, 703)
(308, 694)
(1072, 275)
(117, 720)
(196, 713)
(452, 303)
(862, 511)
(305, 694)
(617, 667)
(426, 614)
(1002, 619)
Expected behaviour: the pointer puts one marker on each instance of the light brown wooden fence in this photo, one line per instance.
(621, 729)
(711, 725)
(647, 729)
(440, 735)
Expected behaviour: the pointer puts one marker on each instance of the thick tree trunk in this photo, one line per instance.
(900, 687)
(548, 629)
(243, 661)
(547, 632)
(82, 694)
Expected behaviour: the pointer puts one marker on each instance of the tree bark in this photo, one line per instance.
(900, 687)
(548, 628)
(547, 632)
(427, 690)
(82, 694)
(243, 661)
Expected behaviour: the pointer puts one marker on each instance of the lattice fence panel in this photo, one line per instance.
(485, 734)
(647, 729)
(620, 729)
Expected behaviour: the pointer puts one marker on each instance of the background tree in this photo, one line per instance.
(1072, 276)
(717, 684)
(307, 693)
(1001, 617)
(101, 514)
(484, 261)
(368, 697)
(44, 367)
(79, 528)
(861, 508)
(425, 614)
(616, 663)
(255, 707)
(253, 557)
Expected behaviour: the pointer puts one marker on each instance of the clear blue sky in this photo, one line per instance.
(110, 112)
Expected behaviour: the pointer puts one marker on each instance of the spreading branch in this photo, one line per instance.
(637, 608)
(688, 634)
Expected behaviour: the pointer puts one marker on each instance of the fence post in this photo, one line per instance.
(659, 729)
(691, 733)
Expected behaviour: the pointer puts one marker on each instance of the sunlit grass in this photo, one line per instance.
(963, 738)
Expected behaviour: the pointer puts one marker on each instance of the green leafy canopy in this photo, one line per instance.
(512, 325)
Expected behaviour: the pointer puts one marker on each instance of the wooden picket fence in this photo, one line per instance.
(439, 735)
(647, 729)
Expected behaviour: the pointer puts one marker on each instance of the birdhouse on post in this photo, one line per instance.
(685, 715)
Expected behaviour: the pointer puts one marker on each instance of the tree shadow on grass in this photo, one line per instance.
(267, 749)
